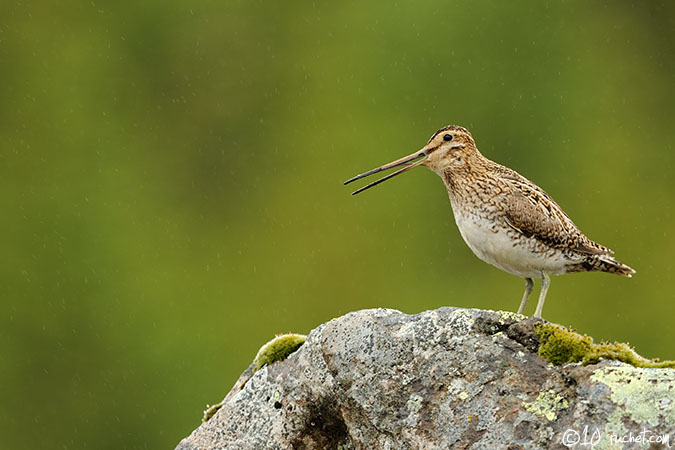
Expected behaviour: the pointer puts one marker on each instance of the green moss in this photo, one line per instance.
(547, 405)
(210, 411)
(560, 345)
(277, 349)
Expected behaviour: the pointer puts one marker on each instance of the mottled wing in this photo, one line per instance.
(533, 212)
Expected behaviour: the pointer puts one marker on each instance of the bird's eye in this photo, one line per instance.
(447, 137)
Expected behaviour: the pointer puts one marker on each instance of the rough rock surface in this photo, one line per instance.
(448, 378)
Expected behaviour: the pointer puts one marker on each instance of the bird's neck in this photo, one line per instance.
(467, 181)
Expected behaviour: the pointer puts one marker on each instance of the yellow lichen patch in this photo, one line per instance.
(210, 411)
(560, 345)
(646, 395)
(505, 316)
(277, 349)
(547, 405)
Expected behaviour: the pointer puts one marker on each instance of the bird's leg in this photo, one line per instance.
(529, 284)
(545, 283)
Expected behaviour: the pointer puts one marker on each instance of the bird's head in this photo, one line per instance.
(450, 148)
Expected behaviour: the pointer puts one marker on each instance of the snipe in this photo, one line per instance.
(504, 218)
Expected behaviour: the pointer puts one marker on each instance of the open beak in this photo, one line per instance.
(407, 162)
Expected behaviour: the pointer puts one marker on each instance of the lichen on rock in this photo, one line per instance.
(547, 405)
(646, 395)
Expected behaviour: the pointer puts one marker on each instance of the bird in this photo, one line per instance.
(504, 218)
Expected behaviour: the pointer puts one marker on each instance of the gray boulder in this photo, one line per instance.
(445, 379)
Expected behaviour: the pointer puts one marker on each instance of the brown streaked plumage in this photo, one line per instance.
(504, 218)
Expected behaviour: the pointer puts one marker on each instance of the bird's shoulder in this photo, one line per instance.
(532, 212)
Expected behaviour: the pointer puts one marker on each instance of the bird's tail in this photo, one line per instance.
(605, 263)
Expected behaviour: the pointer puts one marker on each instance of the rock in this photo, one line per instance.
(448, 378)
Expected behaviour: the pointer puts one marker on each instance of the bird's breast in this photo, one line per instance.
(491, 239)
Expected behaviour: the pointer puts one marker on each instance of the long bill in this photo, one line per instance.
(406, 162)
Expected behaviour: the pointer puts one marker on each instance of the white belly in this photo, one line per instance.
(509, 250)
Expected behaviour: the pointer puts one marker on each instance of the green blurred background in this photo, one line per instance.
(171, 180)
